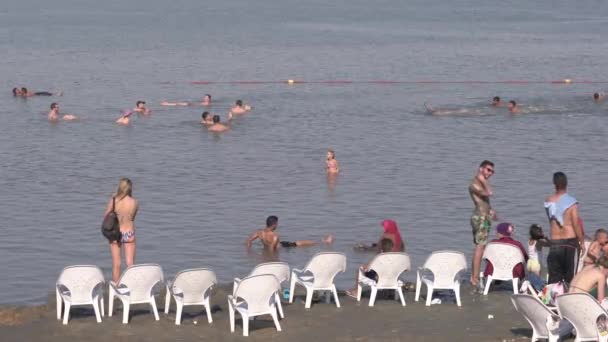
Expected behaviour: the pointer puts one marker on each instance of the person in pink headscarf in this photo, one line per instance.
(390, 231)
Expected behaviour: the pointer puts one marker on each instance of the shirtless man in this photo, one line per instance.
(496, 102)
(217, 126)
(598, 97)
(140, 108)
(590, 278)
(481, 220)
(270, 239)
(54, 114)
(206, 119)
(240, 108)
(513, 108)
(567, 238)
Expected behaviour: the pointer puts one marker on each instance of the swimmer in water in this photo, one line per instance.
(496, 102)
(240, 108)
(205, 102)
(140, 108)
(270, 239)
(513, 107)
(206, 119)
(598, 97)
(217, 126)
(23, 92)
(125, 118)
(331, 163)
(54, 114)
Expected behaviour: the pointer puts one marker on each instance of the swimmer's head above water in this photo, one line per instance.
(16, 91)
(205, 116)
(496, 101)
(598, 97)
(216, 119)
(239, 103)
(54, 106)
(513, 107)
(272, 222)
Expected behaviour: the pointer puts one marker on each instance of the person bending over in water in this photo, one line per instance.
(591, 279)
(125, 118)
(598, 97)
(496, 102)
(140, 108)
(331, 164)
(125, 207)
(386, 245)
(217, 126)
(240, 108)
(270, 239)
(206, 119)
(54, 114)
(513, 107)
(205, 102)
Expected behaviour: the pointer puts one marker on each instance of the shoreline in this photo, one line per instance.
(354, 321)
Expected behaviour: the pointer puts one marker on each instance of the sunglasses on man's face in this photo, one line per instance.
(489, 170)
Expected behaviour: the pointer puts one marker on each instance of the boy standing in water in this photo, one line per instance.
(270, 239)
(481, 220)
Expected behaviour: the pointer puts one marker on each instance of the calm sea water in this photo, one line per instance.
(201, 194)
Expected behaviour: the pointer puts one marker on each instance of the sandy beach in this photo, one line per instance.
(386, 321)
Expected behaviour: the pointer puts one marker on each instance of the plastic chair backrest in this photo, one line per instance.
(278, 269)
(535, 312)
(194, 283)
(503, 257)
(258, 292)
(140, 279)
(445, 265)
(389, 266)
(80, 280)
(325, 267)
(582, 310)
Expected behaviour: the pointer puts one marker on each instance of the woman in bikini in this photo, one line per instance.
(126, 208)
(331, 164)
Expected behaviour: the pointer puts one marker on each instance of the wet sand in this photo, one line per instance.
(386, 321)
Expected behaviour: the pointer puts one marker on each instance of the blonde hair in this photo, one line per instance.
(125, 187)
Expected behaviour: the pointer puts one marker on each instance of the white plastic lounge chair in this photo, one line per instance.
(136, 286)
(254, 296)
(579, 260)
(278, 269)
(541, 318)
(388, 266)
(503, 258)
(190, 287)
(318, 275)
(442, 270)
(582, 310)
(80, 285)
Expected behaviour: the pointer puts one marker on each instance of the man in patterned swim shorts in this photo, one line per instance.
(481, 220)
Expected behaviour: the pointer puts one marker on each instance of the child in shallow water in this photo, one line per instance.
(331, 162)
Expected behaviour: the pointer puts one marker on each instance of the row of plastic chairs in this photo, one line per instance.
(259, 292)
(578, 311)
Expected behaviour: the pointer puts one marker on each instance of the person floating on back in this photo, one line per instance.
(270, 239)
(24, 92)
(54, 114)
(206, 101)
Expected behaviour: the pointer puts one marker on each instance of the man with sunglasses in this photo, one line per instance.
(481, 220)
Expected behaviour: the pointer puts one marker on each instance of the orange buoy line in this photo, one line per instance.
(389, 82)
